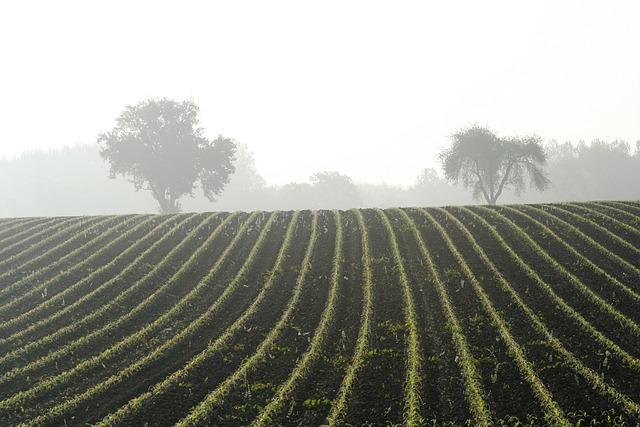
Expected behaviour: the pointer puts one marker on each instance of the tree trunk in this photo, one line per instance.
(166, 204)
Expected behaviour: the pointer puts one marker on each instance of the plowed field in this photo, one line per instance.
(508, 315)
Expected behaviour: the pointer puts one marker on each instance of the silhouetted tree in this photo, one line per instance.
(489, 164)
(594, 171)
(159, 144)
(432, 190)
(246, 190)
(333, 190)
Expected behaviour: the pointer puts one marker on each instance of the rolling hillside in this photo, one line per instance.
(508, 315)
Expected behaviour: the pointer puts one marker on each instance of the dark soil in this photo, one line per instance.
(378, 396)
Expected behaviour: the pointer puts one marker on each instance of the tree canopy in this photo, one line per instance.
(159, 144)
(488, 164)
(333, 190)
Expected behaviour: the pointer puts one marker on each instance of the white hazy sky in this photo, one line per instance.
(369, 89)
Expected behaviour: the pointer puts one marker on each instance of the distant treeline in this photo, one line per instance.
(73, 181)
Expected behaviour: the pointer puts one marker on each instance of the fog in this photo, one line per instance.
(73, 181)
(368, 92)
(370, 89)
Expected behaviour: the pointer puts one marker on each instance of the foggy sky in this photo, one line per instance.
(369, 89)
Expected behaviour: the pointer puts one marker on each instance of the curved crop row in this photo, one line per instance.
(622, 207)
(64, 377)
(95, 292)
(302, 368)
(130, 370)
(552, 412)
(544, 286)
(44, 284)
(581, 257)
(176, 377)
(631, 407)
(339, 408)
(69, 228)
(614, 237)
(77, 232)
(11, 226)
(205, 407)
(474, 391)
(522, 315)
(42, 229)
(414, 359)
(97, 313)
(600, 302)
(593, 208)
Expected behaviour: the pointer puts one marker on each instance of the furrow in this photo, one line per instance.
(134, 405)
(474, 391)
(60, 251)
(59, 298)
(413, 378)
(607, 343)
(114, 350)
(621, 207)
(339, 408)
(306, 362)
(10, 229)
(600, 302)
(593, 245)
(206, 408)
(592, 208)
(585, 237)
(44, 242)
(552, 412)
(37, 285)
(597, 381)
(49, 339)
(37, 230)
(44, 238)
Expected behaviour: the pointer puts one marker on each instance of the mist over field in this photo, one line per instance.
(334, 105)
(73, 181)
(320, 213)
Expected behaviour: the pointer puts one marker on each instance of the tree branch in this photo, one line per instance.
(484, 192)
